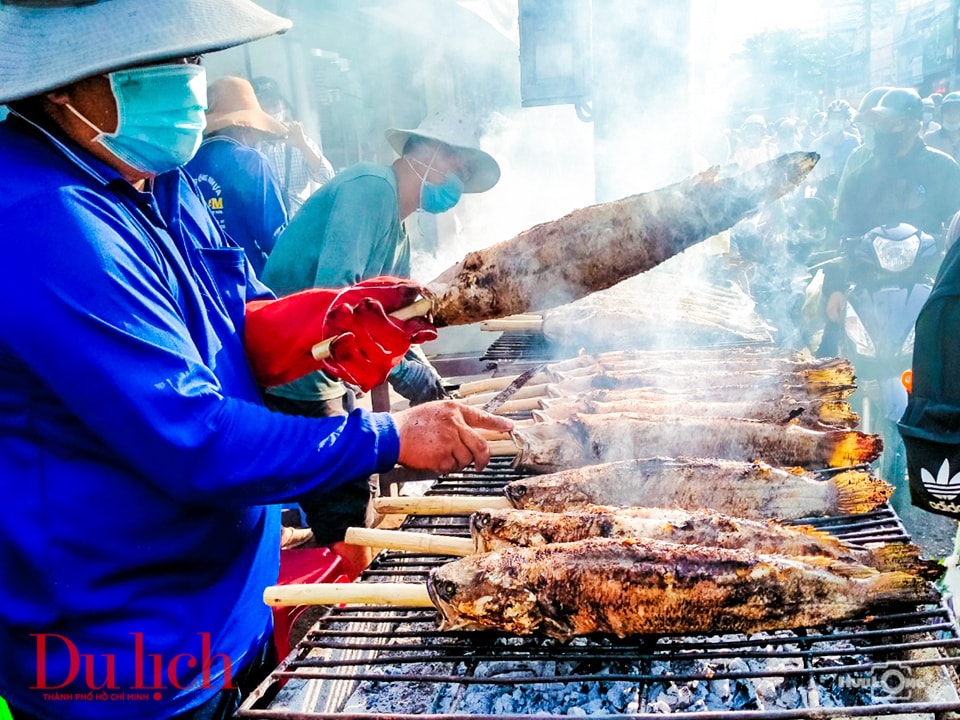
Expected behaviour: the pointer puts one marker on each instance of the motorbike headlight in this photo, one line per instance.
(896, 255)
(857, 333)
(907, 348)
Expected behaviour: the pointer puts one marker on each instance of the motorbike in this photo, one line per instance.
(889, 271)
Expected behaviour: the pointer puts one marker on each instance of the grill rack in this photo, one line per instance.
(403, 668)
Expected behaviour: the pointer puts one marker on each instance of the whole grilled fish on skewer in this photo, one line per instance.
(631, 587)
(596, 247)
(590, 439)
(726, 360)
(722, 386)
(826, 378)
(814, 414)
(498, 529)
(503, 528)
(741, 489)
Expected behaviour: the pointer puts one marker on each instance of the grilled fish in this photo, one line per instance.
(499, 529)
(596, 247)
(630, 587)
(815, 414)
(742, 489)
(590, 439)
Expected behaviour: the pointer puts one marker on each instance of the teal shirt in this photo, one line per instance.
(347, 231)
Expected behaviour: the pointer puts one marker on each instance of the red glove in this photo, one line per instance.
(367, 342)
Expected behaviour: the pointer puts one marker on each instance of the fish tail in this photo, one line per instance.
(838, 413)
(900, 587)
(905, 557)
(831, 373)
(858, 491)
(844, 448)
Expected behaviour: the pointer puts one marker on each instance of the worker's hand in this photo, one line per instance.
(417, 381)
(279, 334)
(366, 342)
(836, 304)
(296, 137)
(442, 436)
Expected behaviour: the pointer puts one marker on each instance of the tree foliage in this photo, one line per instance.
(784, 71)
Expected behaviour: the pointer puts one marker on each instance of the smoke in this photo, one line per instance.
(546, 161)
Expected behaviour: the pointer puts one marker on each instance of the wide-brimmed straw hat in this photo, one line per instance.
(45, 44)
(233, 103)
(463, 137)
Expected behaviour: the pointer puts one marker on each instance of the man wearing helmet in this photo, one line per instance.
(903, 180)
(142, 474)
(947, 138)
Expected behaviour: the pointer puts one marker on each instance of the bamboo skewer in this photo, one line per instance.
(410, 541)
(503, 448)
(409, 595)
(495, 384)
(439, 504)
(423, 306)
(522, 323)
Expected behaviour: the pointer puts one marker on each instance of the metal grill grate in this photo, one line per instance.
(381, 663)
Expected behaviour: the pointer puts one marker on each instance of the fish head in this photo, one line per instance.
(516, 491)
(480, 524)
(472, 594)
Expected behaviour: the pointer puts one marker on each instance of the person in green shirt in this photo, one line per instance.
(352, 229)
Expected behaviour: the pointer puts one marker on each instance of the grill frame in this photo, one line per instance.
(331, 682)
(364, 643)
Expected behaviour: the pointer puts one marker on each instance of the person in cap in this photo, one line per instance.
(296, 159)
(947, 138)
(930, 115)
(141, 472)
(233, 176)
(352, 229)
(752, 146)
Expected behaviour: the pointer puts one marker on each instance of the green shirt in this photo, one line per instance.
(347, 231)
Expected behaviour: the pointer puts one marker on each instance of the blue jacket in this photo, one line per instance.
(138, 467)
(242, 193)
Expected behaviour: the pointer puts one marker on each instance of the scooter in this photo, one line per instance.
(890, 271)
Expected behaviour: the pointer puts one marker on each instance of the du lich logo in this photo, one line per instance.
(97, 673)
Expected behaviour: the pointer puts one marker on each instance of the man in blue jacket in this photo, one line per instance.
(138, 467)
(233, 176)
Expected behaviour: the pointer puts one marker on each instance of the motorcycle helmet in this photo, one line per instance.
(950, 112)
(897, 106)
(840, 107)
(871, 98)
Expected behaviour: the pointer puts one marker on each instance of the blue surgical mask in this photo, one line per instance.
(436, 198)
(160, 116)
(440, 198)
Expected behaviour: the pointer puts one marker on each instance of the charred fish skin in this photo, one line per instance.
(590, 439)
(498, 529)
(632, 587)
(596, 247)
(504, 528)
(742, 489)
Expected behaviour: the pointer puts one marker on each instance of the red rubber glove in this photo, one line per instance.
(367, 343)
